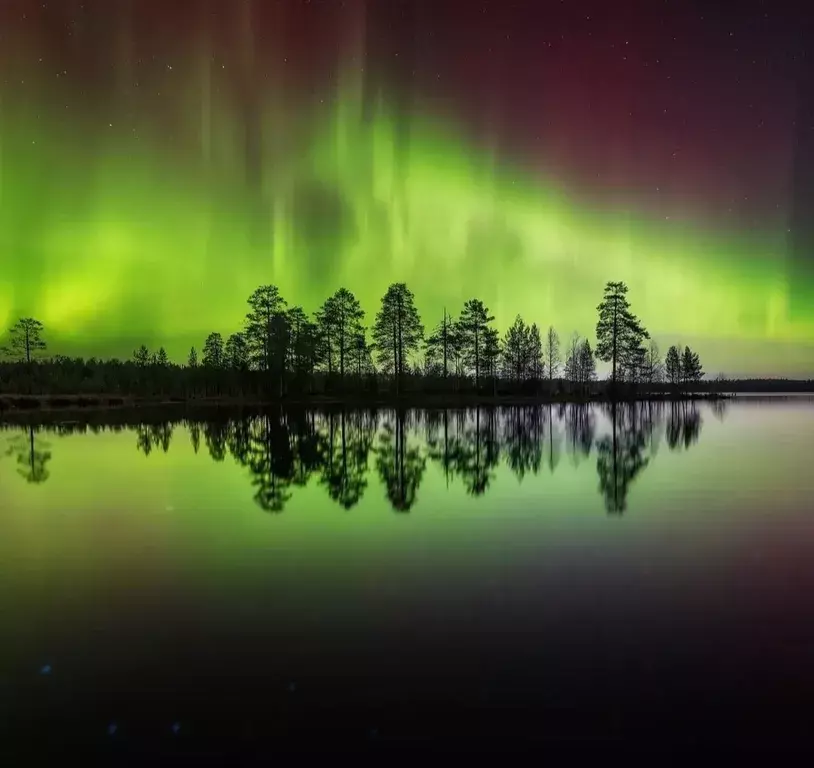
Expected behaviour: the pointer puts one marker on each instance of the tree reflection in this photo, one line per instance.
(32, 455)
(286, 449)
(157, 435)
(621, 455)
(478, 452)
(400, 464)
(523, 438)
(683, 425)
(345, 457)
(580, 426)
(215, 436)
(443, 443)
(553, 440)
(270, 461)
(195, 436)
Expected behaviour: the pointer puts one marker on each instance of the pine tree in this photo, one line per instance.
(141, 357)
(26, 339)
(302, 349)
(359, 352)
(440, 344)
(535, 353)
(672, 366)
(517, 351)
(397, 331)
(213, 356)
(161, 358)
(491, 355)
(587, 364)
(192, 360)
(473, 325)
(236, 352)
(342, 317)
(264, 305)
(632, 364)
(691, 367)
(618, 331)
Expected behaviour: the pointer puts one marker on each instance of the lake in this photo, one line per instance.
(481, 578)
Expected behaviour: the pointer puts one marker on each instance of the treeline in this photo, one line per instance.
(282, 352)
(283, 450)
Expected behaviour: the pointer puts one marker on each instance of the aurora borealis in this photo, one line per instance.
(157, 164)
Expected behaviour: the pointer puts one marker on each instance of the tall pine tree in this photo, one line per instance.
(619, 333)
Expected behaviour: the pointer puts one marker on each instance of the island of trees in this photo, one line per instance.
(282, 353)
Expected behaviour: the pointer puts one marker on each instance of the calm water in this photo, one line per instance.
(368, 580)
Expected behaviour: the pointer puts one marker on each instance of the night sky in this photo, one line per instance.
(159, 160)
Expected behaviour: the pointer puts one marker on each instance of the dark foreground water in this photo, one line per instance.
(468, 579)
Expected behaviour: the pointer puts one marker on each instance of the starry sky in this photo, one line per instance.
(158, 161)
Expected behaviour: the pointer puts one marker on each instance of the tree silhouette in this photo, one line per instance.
(341, 322)
(160, 359)
(491, 356)
(572, 359)
(691, 371)
(141, 356)
(672, 366)
(397, 331)
(440, 345)
(652, 369)
(279, 352)
(213, 355)
(474, 325)
(619, 333)
(288, 348)
(517, 351)
(236, 352)
(25, 339)
(587, 365)
(632, 364)
(551, 356)
(535, 354)
(302, 347)
(399, 464)
(361, 354)
(265, 304)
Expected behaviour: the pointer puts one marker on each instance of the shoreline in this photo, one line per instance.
(27, 404)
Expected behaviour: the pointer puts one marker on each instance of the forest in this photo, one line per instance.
(282, 353)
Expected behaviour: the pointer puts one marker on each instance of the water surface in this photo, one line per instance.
(486, 577)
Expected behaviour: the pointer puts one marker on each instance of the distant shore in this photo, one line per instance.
(10, 404)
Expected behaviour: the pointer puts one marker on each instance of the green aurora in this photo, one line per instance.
(112, 241)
